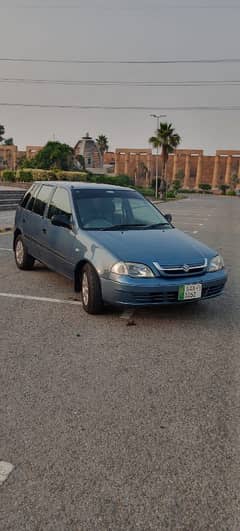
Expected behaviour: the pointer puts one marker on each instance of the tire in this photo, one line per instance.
(23, 260)
(91, 291)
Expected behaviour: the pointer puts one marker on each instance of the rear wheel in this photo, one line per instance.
(91, 291)
(23, 259)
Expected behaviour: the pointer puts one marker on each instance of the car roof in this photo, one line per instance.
(76, 185)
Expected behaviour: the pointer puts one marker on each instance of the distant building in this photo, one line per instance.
(191, 166)
(8, 157)
(88, 149)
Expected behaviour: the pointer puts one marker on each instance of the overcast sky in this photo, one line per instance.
(121, 30)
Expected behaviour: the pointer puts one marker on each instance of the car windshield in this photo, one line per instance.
(103, 209)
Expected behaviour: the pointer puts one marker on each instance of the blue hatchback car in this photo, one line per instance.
(115, 245)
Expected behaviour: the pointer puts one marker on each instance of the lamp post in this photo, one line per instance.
(158, 117)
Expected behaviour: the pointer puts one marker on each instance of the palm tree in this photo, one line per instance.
(2, 131)
(103, 145)
(167, 139)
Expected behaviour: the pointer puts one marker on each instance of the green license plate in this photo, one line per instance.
(189, 292)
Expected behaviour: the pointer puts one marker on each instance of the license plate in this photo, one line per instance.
(189, 292)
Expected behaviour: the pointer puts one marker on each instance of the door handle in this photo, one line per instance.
(44, 231)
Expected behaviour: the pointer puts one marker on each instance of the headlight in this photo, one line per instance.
(132, 270)
(216, 263)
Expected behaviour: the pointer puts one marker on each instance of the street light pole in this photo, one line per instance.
(158, 117)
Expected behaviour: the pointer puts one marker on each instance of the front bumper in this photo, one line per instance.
(158, 291)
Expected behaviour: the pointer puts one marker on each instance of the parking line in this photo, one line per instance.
(41, 299)
(4, 249)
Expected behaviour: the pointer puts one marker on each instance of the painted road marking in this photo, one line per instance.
(5, 471)
(5, 249)
(41, 299)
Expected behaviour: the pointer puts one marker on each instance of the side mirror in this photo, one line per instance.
(168, 218)
(61, 220)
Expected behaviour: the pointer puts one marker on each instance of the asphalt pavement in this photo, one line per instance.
(122, 422)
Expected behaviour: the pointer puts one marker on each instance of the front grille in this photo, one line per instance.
(184, 270)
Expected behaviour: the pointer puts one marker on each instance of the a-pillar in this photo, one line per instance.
(117, 163)
(175, 162)
(228, 173)
(126, 165)
(186, 183)
(199, 171)
(215, 181)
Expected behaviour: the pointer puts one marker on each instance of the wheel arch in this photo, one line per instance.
(77, 273)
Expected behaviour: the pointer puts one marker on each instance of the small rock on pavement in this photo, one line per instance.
(5, 471)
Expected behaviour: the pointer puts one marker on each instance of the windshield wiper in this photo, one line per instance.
(157, 225)
(124, 227)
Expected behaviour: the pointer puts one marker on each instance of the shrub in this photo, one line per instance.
(9, 175)
(144, 191)
(176, 185)
(187, 191)
(224, 188)
(25, 176)
(171, 194)
(231, 192)
(119, 180)
(205, 186)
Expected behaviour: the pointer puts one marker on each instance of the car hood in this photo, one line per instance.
(167, 247)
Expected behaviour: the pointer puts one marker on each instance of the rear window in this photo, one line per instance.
(42, 200)
(29, 197)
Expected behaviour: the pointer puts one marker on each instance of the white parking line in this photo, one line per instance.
(5, 249)
(41, 299)
(5, 471)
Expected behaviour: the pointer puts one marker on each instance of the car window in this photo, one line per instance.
(142, 212)
(42, 200)
(31, 197)
(60, 204)
(25, 199)
(98, 209)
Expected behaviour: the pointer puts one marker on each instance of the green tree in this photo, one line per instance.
(2, 132)
(8, 141)
(168, 140)
(103, 145)
(53, 155)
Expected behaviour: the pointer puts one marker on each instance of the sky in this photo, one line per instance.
(142, 30)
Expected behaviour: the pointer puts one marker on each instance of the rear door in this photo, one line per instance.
(33, 230)
(59, 242)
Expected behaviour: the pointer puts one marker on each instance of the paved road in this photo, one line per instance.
(116, 427)
(7, 218)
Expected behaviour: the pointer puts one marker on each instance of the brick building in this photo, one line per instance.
(140, 164)
(195, 167)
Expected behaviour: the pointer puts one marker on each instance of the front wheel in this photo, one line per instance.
(23, 259)
(91, 291)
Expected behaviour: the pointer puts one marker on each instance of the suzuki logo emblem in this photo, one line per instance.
(186, 268)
